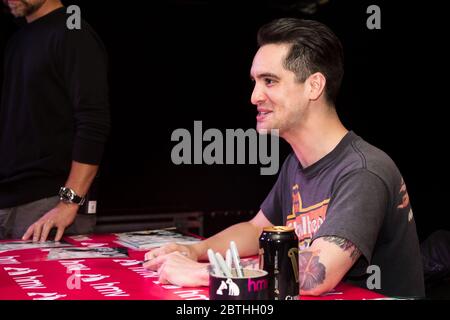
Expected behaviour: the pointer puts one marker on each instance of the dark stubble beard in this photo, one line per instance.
(31, 8)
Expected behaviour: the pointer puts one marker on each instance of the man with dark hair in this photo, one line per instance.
(54, 121)
(345, 198)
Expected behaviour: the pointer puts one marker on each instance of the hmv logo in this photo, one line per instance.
(257, 285)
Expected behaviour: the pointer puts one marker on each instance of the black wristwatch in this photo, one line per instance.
(67, 195)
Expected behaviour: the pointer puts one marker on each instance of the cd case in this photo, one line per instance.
(148, 239)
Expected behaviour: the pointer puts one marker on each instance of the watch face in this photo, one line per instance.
(67, 194)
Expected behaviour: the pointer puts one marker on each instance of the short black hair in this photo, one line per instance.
(314, 48)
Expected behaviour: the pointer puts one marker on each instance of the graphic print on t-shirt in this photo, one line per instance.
(306, 221)
(404, 204)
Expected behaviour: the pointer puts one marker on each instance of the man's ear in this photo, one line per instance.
(316, 85)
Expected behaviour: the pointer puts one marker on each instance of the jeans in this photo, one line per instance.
(15, 221)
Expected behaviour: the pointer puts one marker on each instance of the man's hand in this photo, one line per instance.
(178, 269)
(59, 217)
(154, 264)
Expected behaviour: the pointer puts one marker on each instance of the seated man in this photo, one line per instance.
(436, 257)
(345, 198)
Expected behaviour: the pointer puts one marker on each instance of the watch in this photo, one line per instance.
(67, 195)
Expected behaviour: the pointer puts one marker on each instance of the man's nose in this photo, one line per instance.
(257, 95)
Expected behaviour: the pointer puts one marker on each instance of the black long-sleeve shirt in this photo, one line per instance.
(54, 107)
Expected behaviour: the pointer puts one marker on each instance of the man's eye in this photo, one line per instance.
(269, 81)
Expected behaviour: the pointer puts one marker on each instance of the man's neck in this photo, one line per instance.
(316, 138)
(46, 8)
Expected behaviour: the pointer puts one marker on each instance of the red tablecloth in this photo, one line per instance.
(27, 275)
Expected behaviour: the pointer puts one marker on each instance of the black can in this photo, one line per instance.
(278, 255)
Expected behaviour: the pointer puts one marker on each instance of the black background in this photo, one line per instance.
(173, 62)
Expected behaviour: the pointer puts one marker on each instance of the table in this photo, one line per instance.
(27, 275)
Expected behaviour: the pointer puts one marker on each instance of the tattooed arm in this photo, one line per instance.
(324, 264)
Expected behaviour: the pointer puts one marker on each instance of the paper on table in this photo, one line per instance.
(29, 244)
(84, 253)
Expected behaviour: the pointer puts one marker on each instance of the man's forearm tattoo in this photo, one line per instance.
(345, 245)
(311, 271)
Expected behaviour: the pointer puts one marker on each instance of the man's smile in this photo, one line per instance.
(262, 114)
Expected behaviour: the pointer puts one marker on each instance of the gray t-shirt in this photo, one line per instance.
(357, 193)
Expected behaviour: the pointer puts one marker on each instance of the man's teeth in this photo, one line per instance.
(264, 113)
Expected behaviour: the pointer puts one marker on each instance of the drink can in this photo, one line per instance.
(278, 255)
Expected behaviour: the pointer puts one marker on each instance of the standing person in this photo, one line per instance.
(54, 122)
(345, 198)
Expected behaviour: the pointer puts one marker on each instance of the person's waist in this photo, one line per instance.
(14, 192)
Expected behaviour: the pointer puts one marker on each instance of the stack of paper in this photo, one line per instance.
(153, 238)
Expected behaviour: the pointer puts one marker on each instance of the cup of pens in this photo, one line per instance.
(229, 281)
